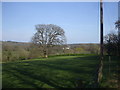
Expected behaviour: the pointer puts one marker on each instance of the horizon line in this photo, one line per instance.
(67, 43)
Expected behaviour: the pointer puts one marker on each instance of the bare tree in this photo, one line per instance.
(48, 35)
(111, 44)
(117, 25)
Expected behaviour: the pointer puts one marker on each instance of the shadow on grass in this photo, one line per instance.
(54, 72)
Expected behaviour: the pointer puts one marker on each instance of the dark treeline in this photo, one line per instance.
(0, 51)
(12, 51)
(112, 44)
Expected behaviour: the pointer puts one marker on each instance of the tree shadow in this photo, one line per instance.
(46, 71)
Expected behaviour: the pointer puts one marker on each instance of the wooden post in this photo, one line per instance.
(101, 43)
(119, 19)
(101, 29)
(100, 67)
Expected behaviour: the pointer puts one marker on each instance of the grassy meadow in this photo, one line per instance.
(56, 72)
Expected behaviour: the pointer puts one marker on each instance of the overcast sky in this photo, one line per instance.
(80, 20)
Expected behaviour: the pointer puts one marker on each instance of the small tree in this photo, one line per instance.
(112, 41)
(111, 44)
(48, 35)
(117, 25)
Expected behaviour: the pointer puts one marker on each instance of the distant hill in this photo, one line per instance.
(28, 43)
(24, 50)
(15, 43)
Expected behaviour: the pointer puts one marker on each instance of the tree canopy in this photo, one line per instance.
(48, 35)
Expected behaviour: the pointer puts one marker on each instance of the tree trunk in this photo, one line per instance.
(98, 78)
(100, 70)
(45, 54)
(99, 73)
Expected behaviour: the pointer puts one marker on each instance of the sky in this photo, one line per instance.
(0, 21)
(80, 20)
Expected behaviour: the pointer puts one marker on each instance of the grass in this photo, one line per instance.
(52, 72)
(110, 72)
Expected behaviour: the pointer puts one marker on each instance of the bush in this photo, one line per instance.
(112, 44)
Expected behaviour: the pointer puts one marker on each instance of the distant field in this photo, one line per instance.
(53, 72)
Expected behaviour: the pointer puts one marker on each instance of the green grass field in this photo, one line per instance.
(53, 72)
